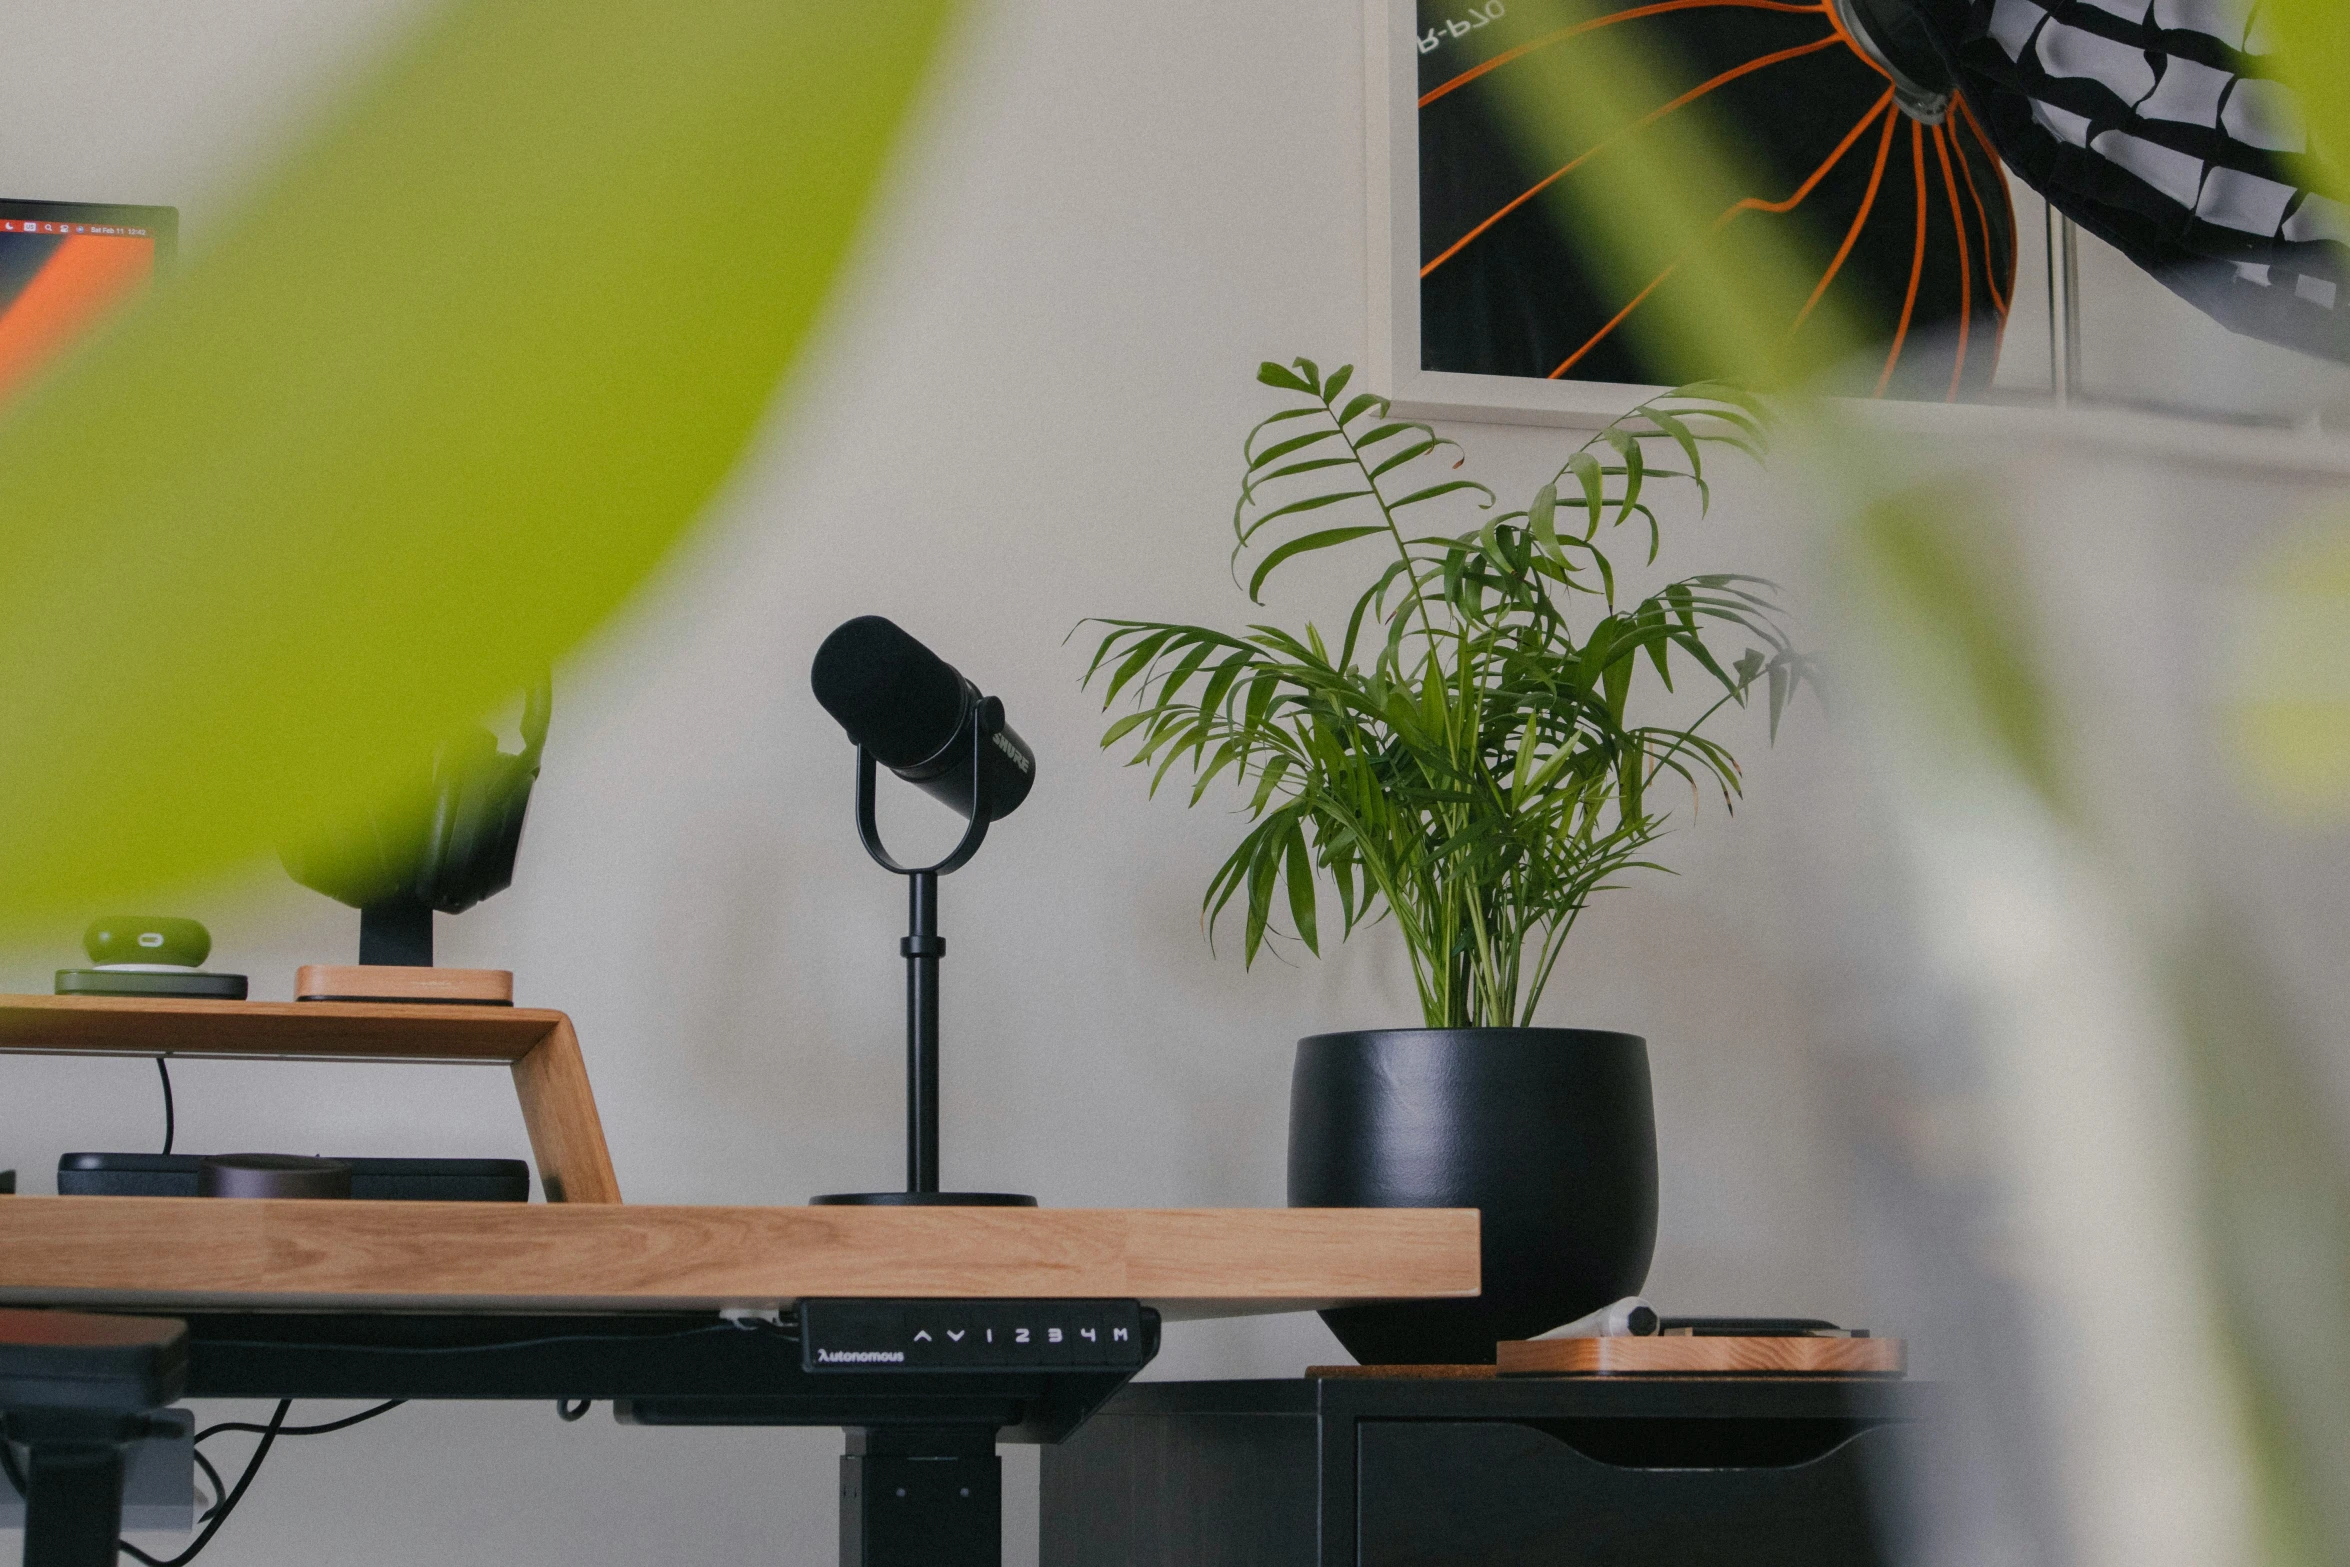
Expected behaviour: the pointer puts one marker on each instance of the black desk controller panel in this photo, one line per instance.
(395, 1180)
(972, 1335)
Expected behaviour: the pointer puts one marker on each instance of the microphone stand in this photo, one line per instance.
(922, 949)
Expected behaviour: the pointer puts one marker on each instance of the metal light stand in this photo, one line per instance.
(2064, 308)
(922, 948)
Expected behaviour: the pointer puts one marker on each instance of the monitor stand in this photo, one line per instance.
(395, 964)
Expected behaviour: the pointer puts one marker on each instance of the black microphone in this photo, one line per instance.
(920, 718)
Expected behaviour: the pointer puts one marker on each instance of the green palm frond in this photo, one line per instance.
(1464, 764)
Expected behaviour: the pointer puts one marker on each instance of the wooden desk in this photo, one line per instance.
(216, 1253)
(583, 1250)
(437, 1300)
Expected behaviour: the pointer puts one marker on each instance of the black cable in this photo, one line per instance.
(218, 1514)
(573, 1409)
(219, 1486)
(228, 1503)
(225, 1499)
(170, 1118)
(316, 1430)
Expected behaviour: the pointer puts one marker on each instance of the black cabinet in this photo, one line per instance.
(1542, 1472)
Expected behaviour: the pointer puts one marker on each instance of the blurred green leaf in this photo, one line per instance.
(1946, 579)
(418, 418)
(2311, 50)
(2287, 680)
(2277, 1224)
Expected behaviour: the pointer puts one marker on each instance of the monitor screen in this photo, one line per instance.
(66, 265)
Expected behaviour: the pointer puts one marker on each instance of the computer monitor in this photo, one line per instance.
(66, 265)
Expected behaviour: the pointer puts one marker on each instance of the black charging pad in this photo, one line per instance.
(191, 984)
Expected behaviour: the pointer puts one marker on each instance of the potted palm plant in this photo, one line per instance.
(1463, 761)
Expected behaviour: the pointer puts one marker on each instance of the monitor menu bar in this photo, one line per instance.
(116, 230)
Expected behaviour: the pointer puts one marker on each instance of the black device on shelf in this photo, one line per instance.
(394, 1180)
(1756, 1327)
(906, 707)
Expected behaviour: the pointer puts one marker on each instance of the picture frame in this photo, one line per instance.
(1392, 163)
(1394, 360)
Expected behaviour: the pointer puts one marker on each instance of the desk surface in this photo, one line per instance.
(190, 1253)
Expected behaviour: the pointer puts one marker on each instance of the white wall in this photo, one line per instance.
(1027, 413)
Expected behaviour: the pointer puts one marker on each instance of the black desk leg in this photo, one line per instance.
(73, 1485)
(921, 1496)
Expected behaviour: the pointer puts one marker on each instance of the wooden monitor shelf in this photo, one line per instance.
(585, 1250)
(550, 1077)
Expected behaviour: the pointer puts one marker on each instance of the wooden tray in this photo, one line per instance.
(365, 982)
(1689, 1355)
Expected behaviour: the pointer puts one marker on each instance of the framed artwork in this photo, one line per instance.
(1484, 305)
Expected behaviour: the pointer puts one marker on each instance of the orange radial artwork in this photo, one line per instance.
(1905, 207)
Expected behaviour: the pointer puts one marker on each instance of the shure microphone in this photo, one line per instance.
(920, 718)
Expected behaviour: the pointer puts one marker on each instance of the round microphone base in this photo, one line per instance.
(922, 1200)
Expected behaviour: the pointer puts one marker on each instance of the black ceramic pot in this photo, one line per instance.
(1548, 1132)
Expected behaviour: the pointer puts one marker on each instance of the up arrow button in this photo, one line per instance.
(923, 1337)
